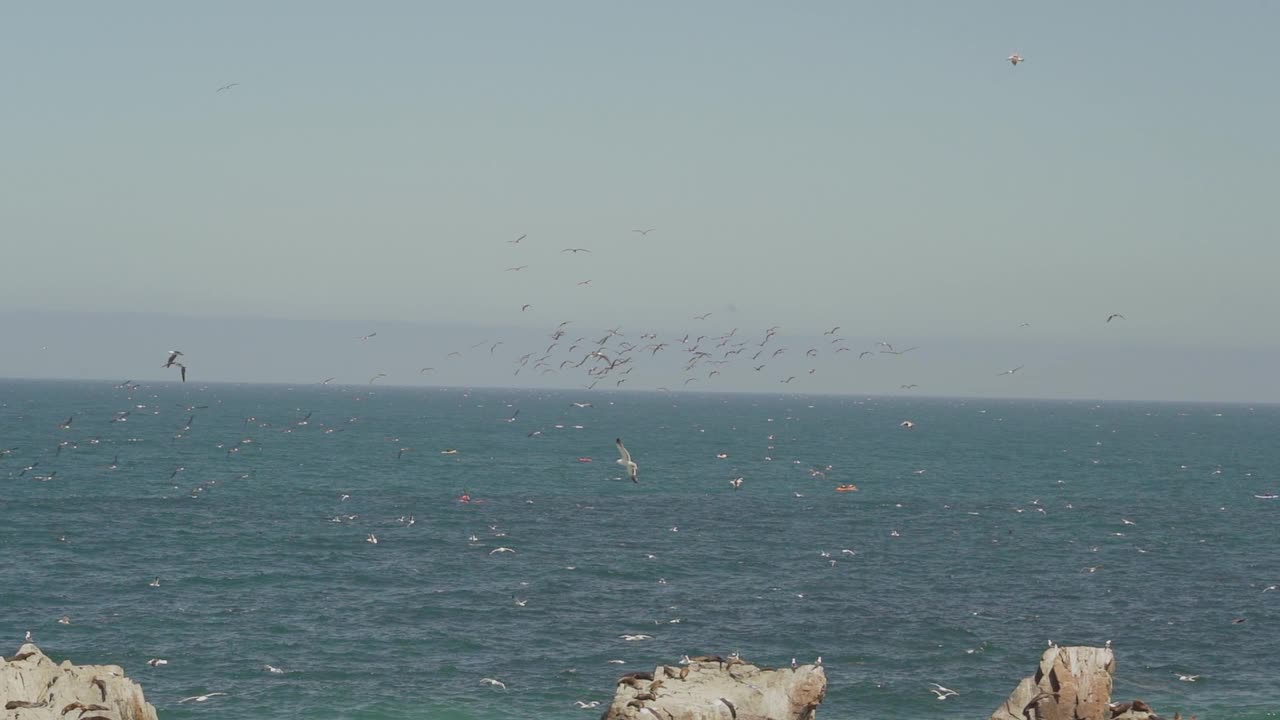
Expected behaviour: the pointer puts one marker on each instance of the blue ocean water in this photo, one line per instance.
(974, 538)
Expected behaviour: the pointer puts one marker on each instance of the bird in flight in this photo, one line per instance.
(173, 357)
(575, 251)
(183, 369)
(1113, 316)
(1015, 58)
(644, 232)
(366, 337)
(832, 331)
(625, 461)
(517, 240)
(201, 698)
(525, 306)
(909, 387)
(226, 87)
(1010, 372)
(517, 268)
(495, 683)
(703, 316)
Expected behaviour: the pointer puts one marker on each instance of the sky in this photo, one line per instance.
(877, 166)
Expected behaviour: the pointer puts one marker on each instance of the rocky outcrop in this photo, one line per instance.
(33, 687)
(711, 688)
(1072, 683)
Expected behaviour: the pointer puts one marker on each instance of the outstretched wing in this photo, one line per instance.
(626, 456)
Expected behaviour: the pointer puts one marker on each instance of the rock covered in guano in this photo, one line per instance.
(713, 688)
(33, 687)
(1072, 683)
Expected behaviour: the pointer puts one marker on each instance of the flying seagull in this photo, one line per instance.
(201, 698)
(625, 461)
(226, 87)
(1010, 372)
(1015, 58)
(175, 354)
(517, 240)
(644, 232)
(183, 368)
(1113, 316)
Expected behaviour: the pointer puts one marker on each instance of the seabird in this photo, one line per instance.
(1010, 372)
(228, 86)
(1186, 678)
(501, 550)
(182, 368)
(1113, 316)
(625, 461)
(644, 232)
(366, 337)
(1014, 59)
(942, 692)
(517, 240)
(155, 583)
(201, 698)
(173, 357)
(157, 662)
(907, 424)
(273, 669)
(586, 705)
(575, 251)
(493, 682)
(517, 268)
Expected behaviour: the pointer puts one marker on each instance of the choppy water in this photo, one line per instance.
(254, 571)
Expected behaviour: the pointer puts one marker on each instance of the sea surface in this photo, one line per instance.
(975, 538)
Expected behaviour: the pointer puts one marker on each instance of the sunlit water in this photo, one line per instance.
(967, 546)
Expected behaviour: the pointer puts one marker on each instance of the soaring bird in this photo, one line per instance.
(517, 240)
(1014, 59)
(644, 232)
(226, 87)
(1010, 372)
(175, 354)
(1113, 316)
(625, 461)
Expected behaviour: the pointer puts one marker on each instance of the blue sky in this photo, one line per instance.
(872, 165)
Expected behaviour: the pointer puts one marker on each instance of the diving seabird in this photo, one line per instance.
(625, 461)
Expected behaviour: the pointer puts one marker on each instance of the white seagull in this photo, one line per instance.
(493, 682)
(626, 461)
(942, 692)
(201, 698)
(1015, 58)
(501, 550)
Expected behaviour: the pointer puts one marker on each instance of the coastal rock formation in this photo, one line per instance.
(1072, 683)
(711, 688)
(33, 687)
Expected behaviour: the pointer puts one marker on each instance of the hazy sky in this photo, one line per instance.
(876, 166)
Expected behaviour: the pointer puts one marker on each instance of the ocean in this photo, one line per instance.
(976, 537)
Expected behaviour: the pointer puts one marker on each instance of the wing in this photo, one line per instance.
(626, 456)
